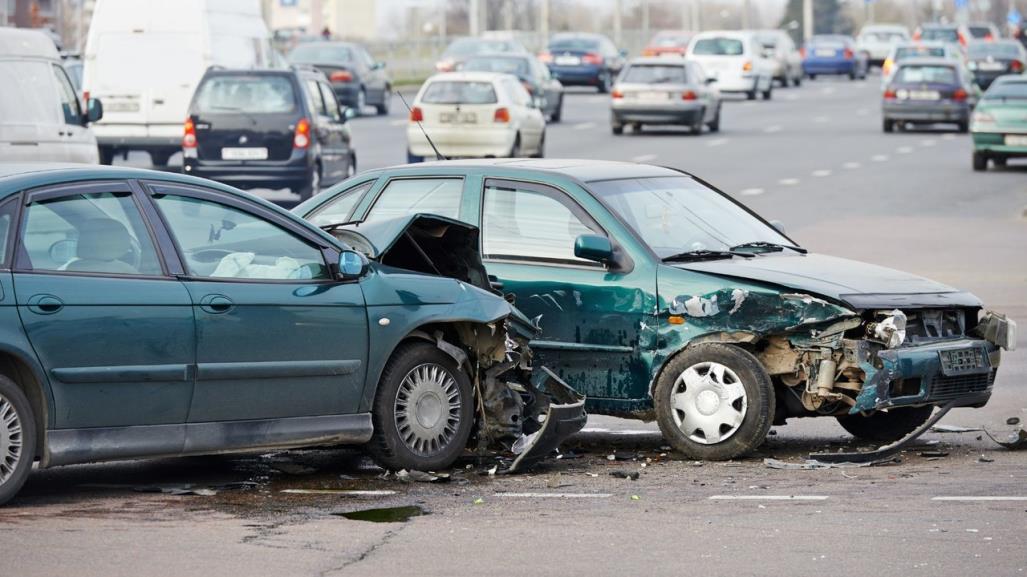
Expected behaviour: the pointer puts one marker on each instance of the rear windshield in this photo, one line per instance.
(655, 74)
(457, 92)
(1001, 49)
(883, 36)
(469, 46)
(516, 66)
(828, 43)
(321, 53)
(670, 40)
(917, 51)
(979, 31)
(719, 47)
(576, 44)
(249, 94)
(942, 34)
(1003, 90)
(927, 74)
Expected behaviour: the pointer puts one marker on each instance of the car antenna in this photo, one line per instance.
(438, 155)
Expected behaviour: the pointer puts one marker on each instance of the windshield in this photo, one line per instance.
(250, 94)
(719, 47)
(469, 46)
(516, 66)
(675, 214)
(321, 53)
(942, 34)
(986, 49)
(927, 74)
(655, 74)
(1015, 89)
(456, 92)
(574, 44)
(882, 36)
(919, 51)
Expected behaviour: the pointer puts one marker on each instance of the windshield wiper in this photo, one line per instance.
(769, 246)
(705, 254)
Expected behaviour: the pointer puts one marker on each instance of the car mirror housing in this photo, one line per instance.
(94, 110)
(347, 113)
(352, 265)
(594, 247)
(778, 226)
(711, 79)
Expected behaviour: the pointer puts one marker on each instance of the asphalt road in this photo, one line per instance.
(814, 158)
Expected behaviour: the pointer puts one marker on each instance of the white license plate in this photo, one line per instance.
(826, 52)
(991, 66)
(924, 95)
(243, 154)
(458, 117)
(567, 61)
(122, 107)
(1016, 140)
(652, 96)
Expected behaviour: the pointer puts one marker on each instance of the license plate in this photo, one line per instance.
(826, 53)
(991, 66)
(458, 117)
(243, 154)
(924, 95)
(567, 61)
(652, 96)
(122, 107)
(1016, 140)
(963, 361)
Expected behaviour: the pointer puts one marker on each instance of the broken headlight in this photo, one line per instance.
(889, 329)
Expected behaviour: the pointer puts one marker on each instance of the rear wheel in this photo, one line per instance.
(715, 123)
(106, 155)
(515, 150)
(351, 167)
(886, 426)
(616, 128)
(383, 107)
(541, 152)
(313, 185)
(812, 76)
(558, 111)
(889, 125)
(17, 439)
(963, 127)
(751, 95)
(697, 123)
(768, 92)
(159, 159)
(797, 81)
(413, 158)
(361, 102)
(980, 161)
(999, 161)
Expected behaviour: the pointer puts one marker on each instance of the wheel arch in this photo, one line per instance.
(745, 340)
(28, 376)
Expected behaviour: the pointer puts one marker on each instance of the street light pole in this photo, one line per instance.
(543, 19)
(617, 38)
(696, 15)
(807, 19)
(474, 17)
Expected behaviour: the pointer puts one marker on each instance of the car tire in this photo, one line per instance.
(106, 155)
(768, 92)
(17, 438)
(999, 161)
(558, 112)
(797, 81)
(541, 152)
(751, 95)
(383, 108)
(714, 124)
(963, 127)
(159, 159)
(604, 83)
(719, 372)
(515, 150)
(811, 76)
(886, 426)
(361, 101)
(431, 387)
(617, 129)
(313, 185)
(980, 161)
(351, 167)
(413, 158)
(888, 125)
(696, 128)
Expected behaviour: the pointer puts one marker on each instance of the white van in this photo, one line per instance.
(144, 58)
(40, 115)
(736, 59)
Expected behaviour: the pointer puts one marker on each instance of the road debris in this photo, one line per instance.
(813, 464)
(985, 459)
(954, 429)
(933, 454)
(1012, 440)
(338, 492)
(633, 475)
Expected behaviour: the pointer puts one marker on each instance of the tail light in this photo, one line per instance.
(747, 66)
(85, 96)
(301, 139)
(689, 95)
(886, 67)
(545, 57)
(416, 115)
(617, 94)
(1016, 66)
(650, 52)
(962, 39)
(445, 65)
(501, 115)
(341, 76)
(189, 134)
(916, 35)
(802, 52)
(848, 54)
(889, 94)
(592, 58)
(959, 95)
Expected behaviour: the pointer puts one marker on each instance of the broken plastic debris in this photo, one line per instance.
(954, 429)
(625, 474)
(479, 501)
(1014, 440)
(635, 498)
(339, 492)
(985, 459)
(813, 464)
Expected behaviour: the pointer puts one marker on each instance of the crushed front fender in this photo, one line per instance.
(564, 415)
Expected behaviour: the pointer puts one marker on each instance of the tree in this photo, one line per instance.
(829, 17)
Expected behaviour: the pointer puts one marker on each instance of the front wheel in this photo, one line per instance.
(17, 439)
(768, 92)
(980, 161)
(886, 426)
(541, 151)
(423, 410)
(714, 402)
(963, 127)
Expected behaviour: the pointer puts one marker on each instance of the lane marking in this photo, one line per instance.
(768, 498)
(752, 192)
(643, 158)
(827, 90)
(717, 142)
(555, 495)
(772, 129)
(820, 119)
(748, 103)
(620, 432)
(879, 158)
(821, 173)
(339, 492)
(904, 149)
(948, 136)
(981, 498)
(928, 142)
(851, 165)
(584, 126)
(397, 122)
(788, 181)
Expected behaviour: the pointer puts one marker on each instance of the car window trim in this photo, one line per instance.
(12, 232)
(387, 181)
(348, 190)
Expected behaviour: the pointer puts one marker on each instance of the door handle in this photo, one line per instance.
(45, 304)
(216, 304)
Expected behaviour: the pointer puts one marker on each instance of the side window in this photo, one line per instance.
(7, 213)
(338, 209)
(96, 232)
(69, 102)
(333, 105)
(368, 61)
(317, 105)
(413, 195)
(517, 92)
(222, 242)
(532, 225)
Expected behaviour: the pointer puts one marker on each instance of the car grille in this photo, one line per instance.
(945, 388)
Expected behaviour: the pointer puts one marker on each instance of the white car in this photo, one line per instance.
(780, 48)
(736, 59)
(919, 49)
(474, 115)
(878, 40)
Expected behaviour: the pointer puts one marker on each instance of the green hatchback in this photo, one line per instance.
(663, 298)
(999, 123)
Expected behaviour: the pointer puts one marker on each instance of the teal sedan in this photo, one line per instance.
(660, 297)
(999, 123)
(149, 314)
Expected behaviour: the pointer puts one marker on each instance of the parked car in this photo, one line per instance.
(918, 49)
(669, 43)
(41, 117)
(833, 54)
(268, 129)
(578, 59)
(474, 115)
(463, 48)
(546, 91)
(144, 58)
(999, 122)
(779, 47)
(662, 297)
(928, 91)
(154, 314)
(989, 60)
(657, 91)
(357, 79)
(878, 40)
(736, 60)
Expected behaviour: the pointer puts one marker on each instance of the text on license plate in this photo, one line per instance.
(924, 95)
(826, 53)
(567, 61)
(458, 117)
(244, 153)
(650, 96)
(991, 66)
(1016, 140)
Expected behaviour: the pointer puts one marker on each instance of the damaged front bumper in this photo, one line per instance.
(564, 416)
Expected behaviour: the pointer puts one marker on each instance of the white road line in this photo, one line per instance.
(748, 103)
(788, 181)
(904, 149)
(339, 492)
(821, 173)
(827, 90)
(879, 158)
(851, 165)
(618, 432)
(862, 112)
(717, 142)
(555, 495)
(948, 136)
(981, 498)
(772, 129)
(768, 498)
(751, 192)
(820, 119)
(644, 158)
(584, 126)
(928, 142)
(397, 122)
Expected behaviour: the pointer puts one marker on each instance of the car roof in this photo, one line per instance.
(645, 60)
(937, 25)
(884, 27)
(928, 61)
(503, 55)
(467, 76)
(582, 169)
(18, 42)
(725, 34)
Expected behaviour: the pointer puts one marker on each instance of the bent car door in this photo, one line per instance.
(277, 336)
(113, 331)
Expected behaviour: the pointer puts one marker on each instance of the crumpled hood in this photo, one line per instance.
(857, 284)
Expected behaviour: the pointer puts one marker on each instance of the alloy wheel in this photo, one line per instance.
(709, 402)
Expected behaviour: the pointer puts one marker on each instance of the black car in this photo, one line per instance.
(546, 91)
(357, 78)
(268, 129)
(989, 60)
(583, 60)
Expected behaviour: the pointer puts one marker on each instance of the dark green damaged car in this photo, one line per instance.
(661, 297)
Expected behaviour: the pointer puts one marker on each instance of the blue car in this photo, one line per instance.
(833, 54)
(583, 60)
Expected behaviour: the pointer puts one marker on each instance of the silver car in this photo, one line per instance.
(779, 47)
(658, 91)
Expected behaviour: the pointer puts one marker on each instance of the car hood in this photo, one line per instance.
(856, 284)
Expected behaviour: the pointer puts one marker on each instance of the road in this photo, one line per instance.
(815, 159)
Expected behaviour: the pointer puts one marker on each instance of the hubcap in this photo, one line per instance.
(428, 409)
(10, 439)
(709, 403)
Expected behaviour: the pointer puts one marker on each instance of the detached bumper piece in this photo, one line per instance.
(563, 416)
(887, 450)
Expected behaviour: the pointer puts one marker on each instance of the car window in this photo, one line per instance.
(30, 99)
(338, 209)
(1008, 90)
(320, 53)
(418, 195)
(69, 101)
(317, 105)
(916, 51)
(574, 44)
(929, 74)
(457, 92)
(96, 232)
(655, 74)
(942, 34)
(333, 105)
(7, 213)
(518, 94)
(254, 94)
(719, 47)
(516, 66)
(531, 225)
(222, 242)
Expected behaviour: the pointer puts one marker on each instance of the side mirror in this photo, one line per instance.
(347, 113)
(378, 66)
(624, 53)
(352, 265)
(594, 247)
(94, 110)
(711, 79)
(778, 226)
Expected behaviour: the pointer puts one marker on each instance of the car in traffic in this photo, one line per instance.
(948, 33)
(579, 59)
(669, 43)
(779, 47)
(981, 31)
(927, 91)
(268, 129)
(154, 314)
(546, 91)
(73, 66)
(833, 54)
(736, 60)
(463, 48)
(41, 116)
(999, 122)
(918, 49)
(664, 298)
(474, 115)
(878, 40)
(989, 60)
(655, 91)
(358, 79)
